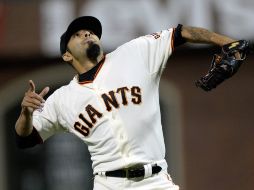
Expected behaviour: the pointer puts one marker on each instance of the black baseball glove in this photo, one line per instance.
(225, 64)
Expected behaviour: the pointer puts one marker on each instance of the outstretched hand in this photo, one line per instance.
(32, 100)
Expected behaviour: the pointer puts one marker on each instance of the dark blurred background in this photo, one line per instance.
(208, 136)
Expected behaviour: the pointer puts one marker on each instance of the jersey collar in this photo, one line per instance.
(90, 75)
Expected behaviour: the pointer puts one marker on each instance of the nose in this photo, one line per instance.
(85, 34)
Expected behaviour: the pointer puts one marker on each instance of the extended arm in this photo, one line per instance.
(225, 64)
(201, 35)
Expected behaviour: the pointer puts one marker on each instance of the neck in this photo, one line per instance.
(87, 64)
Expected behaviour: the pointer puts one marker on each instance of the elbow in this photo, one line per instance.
(24, 142)
(28, 141)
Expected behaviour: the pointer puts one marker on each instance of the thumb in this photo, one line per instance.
(44, 92)
(31, 86)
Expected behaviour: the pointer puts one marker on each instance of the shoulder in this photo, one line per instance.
(127, 46)
(158, 35)
(61, 92)
(153, 37)
(144, 40)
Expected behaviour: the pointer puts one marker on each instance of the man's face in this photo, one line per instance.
(84, 44)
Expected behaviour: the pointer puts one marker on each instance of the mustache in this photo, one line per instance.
(88, 40)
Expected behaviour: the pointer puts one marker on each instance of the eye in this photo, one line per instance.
(91, 32)
(77, 34)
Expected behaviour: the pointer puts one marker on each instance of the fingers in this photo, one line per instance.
(31, 86)
(31, 103)
(238, 55)
(32, 100)
(35, 96)
(44, 92)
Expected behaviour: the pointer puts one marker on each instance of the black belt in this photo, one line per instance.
(131, 172)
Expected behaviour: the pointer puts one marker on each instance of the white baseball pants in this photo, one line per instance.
(160, 181)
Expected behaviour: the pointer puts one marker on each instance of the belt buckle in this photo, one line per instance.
(137, 172)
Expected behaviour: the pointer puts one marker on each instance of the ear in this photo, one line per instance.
(67, 57)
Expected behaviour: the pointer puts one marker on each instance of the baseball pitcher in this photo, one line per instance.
(112, 104)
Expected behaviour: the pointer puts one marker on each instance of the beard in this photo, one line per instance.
(93, 51)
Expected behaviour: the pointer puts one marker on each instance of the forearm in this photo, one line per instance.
(24, 125)
(201, 35)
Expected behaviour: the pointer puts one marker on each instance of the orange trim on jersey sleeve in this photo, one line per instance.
(172, 40)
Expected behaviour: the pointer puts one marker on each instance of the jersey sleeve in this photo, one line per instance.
(156, 48)
(45, 120)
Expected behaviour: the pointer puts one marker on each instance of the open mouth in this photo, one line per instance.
(89, 40)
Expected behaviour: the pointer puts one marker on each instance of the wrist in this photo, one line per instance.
(26, 112)
(24, 125)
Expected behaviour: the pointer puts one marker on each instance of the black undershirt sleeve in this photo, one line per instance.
(177, 38)
(29, 141)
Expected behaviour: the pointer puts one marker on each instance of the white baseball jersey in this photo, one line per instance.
(117, 114)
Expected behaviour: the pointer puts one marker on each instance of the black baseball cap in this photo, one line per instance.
(84, 22)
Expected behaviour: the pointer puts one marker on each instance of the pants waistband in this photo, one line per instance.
(144, 171)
